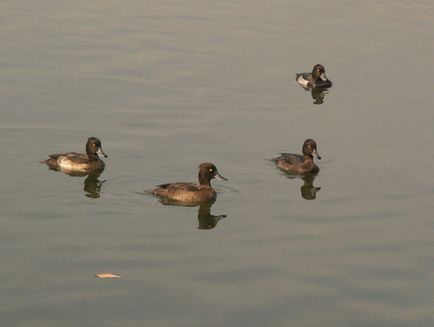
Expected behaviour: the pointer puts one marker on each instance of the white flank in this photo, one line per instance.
(302, 81)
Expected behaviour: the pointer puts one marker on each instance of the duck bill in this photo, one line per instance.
(101, 152)
(323, 77)
(316, 154)
(219, 177)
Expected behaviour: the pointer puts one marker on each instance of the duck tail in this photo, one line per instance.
(148, 192)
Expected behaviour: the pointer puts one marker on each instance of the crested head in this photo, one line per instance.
(318, 68)
(310, 148)
(208, 171)
(94, 140)
(93, 147)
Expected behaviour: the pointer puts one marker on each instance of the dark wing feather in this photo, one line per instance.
(170, 188)
(306, 76)
(73, 156)
(319, 83)
(56, 155)
(291, 158)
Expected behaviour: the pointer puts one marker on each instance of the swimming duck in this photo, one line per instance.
(315, 79)
(73, 162)
(190, 193)
(297, 163)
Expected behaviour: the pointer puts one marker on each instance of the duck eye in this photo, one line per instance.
(211, 169)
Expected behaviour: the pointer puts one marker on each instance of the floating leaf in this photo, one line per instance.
(107, 276)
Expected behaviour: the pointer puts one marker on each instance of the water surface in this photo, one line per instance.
(167, 86)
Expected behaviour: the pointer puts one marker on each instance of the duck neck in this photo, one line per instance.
(204, 181)
(308, 157)
(92, 156)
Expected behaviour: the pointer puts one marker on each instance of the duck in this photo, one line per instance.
(190, 193)
(300, 164)
(315, 79)
(78, 163)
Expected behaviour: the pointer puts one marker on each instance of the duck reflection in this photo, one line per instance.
(308, 190)
(92, 185)
(206, 220)
(318, 94)
(316, 81)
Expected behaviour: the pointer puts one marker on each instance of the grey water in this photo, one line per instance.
(167, 85)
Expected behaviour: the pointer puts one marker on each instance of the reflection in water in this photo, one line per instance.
(205, 218)
(318, 94)
(308, 191)
(92, 185)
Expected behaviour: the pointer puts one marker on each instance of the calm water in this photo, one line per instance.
(167, 85)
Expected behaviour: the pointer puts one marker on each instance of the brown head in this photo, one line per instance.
(208, 171)
(93, 148)
(310, 149)
(318, 71)
(319, 77)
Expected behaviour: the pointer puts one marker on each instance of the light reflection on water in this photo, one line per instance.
(166, 86)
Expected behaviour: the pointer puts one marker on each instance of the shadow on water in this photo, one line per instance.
(206, 220)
